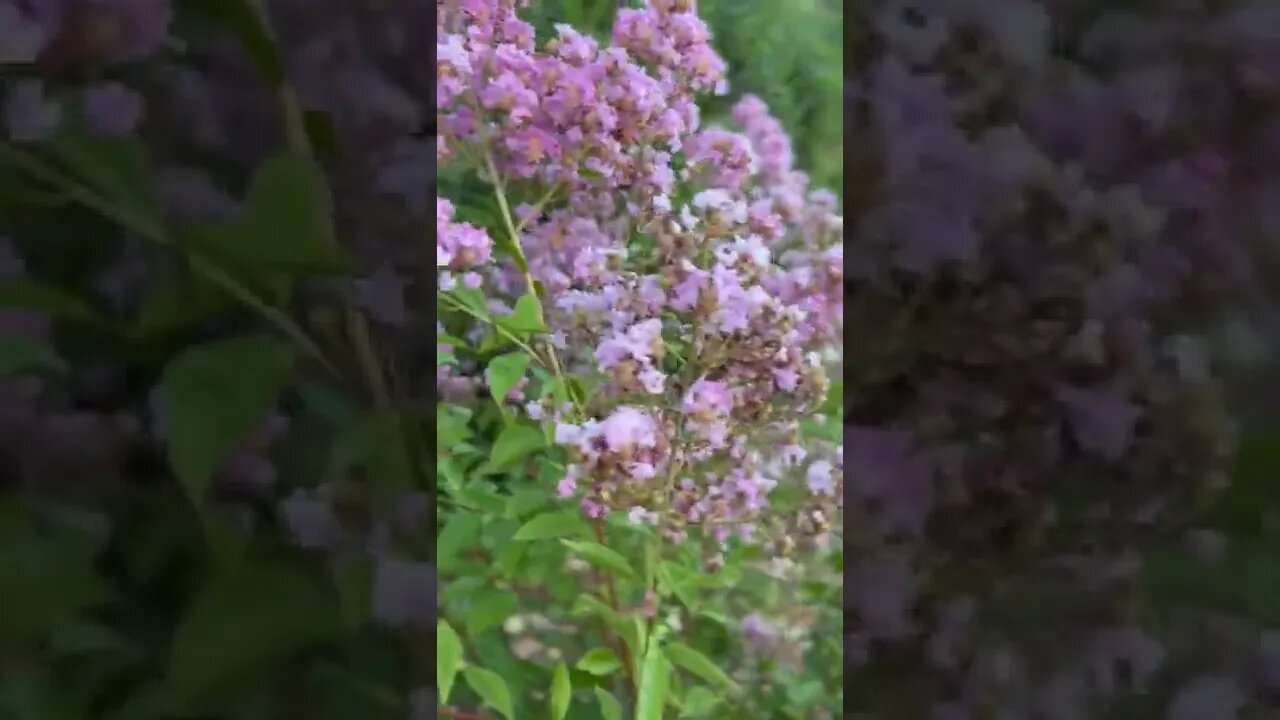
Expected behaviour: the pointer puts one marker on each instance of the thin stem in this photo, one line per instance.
(501, 330)
(501, 195)
(156, 233)
(299, 142)
(357, 328)
(537, 208)
(611, 594)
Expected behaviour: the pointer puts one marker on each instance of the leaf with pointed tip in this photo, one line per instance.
(212, 397)
(448, 658)
(551, 525)
(561, 692)
(491, 688)
(285, 225)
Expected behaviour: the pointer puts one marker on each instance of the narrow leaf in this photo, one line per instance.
(23, 294)
(652, 695)
(610, 708)
(20, 355)
(473, 300)
(695, 662)
(448, 658)
(561, 692)
(550, 525)
(602, 557)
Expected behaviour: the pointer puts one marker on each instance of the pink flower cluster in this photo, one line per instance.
(689, 270)
(459, 246)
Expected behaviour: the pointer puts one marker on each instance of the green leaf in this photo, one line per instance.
(600, 661)
(239, 17)
(489, 608)
(679, 581)
(491, 688)
(632, 630)
(353, 579)
(471, 299)
(695, 662)
(323, 135)
(1240, 508)
(19, 355)
(503, 372)
(610, 708)
(550, 525)
(286, 223)
(1246, 582)
(23, 294)
(525, 318)
(448, 469)
(484, 497)
(46, 578)
(180, 301)
(699, 702)
(87, 638)
(561, 692)
(652, 695)
(451, 426)
(587, 604)
(461, 532)
(452, 341)
(246, 620)
(804, 693)
(31, 694)
(117, 169)
(448, 658)
(514, 443)
(212, 397)
(602, 557)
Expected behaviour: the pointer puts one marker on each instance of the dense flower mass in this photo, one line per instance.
(218, 214)
(688, 268)
(1051, 218)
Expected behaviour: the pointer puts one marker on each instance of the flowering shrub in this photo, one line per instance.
(646, 324)
(218, 497)
(1054, 218)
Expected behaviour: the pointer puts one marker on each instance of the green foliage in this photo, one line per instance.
(600, 661)
(285, 225)
(212, 397)
(653, 684)
(491, 688)
(610, 708)
(551, 525)
(254, 615)
(18, 355)
(514, 443)
(504, 372)
(791, 54)
(159, 603)
(685, 657)
(561, 692)
(602, 557)
(448, 658)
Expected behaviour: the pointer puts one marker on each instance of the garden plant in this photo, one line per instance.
(218, 404)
